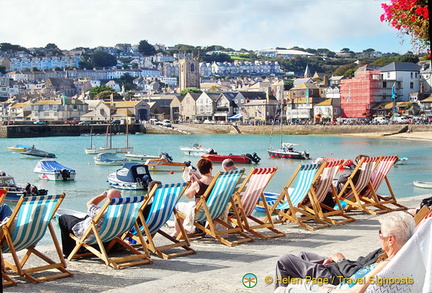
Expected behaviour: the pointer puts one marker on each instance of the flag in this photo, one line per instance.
(394, 91)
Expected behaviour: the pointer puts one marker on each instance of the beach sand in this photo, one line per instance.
(216, 267)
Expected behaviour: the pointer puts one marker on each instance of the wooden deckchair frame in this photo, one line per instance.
(167, 200)
(246, 198)
(42, 208)
(287, 210)
(96, 247)
(203, 210)
(353, 198)
(319, 190)
(371, 198)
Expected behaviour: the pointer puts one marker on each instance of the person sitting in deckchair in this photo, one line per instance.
(77, 226)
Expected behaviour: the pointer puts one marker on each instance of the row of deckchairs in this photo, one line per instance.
(226, 210)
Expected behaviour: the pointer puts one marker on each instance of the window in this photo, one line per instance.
(411, 85)
(384, 84)
(411, 75)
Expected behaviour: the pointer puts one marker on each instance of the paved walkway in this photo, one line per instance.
(216, 267)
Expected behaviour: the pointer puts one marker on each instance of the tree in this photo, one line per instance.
(98, 89)
(409, 17)
(103, 59)
(53, 49)
(190, 90)
(146, 49)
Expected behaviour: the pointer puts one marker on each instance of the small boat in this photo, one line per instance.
(423, 184)
(197, 150)
(401, 161)
(239, 159)
(139, 157)
(132, 176)
(19, 148)
(287, 151)
(36, 153)
(50, 169)
(165, 163)
(101, 150)
(14, 192)
(109, 159)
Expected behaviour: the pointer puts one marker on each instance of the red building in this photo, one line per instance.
(360, 93)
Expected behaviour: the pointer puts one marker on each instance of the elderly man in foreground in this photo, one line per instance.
(300, 273)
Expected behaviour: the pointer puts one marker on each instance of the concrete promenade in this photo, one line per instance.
(216, 267)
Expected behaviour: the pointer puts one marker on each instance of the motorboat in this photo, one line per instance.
(165, 163)
(36, 153)
(19, 148)
(238, 159)
(50, 169)
(132, 176)
(139, 157)
(401, 161)
(109, 159)
(287, 151)
(197, 150)
(422, 184)
(14, 192)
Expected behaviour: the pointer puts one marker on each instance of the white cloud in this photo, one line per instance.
(249, 24)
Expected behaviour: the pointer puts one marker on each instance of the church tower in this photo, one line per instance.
(189, 73)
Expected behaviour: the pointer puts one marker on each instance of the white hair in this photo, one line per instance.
(399, 224)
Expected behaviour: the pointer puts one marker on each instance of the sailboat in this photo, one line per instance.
(286, 149)
(127, 148)
(92, 150)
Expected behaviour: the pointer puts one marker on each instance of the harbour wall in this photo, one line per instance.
(18, 131)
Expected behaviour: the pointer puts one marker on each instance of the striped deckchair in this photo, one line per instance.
(370, 197)
(7, 281)
(319, 192)
(291, 199)
(213, 204)
(27, 225)
(163, 199)
(350, 194)
(246, 198)
(119, 216)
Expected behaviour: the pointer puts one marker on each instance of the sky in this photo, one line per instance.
(236, 24)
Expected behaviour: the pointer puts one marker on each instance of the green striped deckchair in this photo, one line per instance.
(119, 216)
(213, 204)
(163, 199)
(26, 226)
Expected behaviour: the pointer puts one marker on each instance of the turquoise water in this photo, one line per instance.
(91, 179)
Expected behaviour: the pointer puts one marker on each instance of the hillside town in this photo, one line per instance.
(53, 86)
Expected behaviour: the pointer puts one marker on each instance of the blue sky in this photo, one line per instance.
(249, 24)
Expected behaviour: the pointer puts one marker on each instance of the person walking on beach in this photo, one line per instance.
(72, 224)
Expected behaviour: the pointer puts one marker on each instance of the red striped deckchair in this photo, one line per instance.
(370, 197)
(247, 197)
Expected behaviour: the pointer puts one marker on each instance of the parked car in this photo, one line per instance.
(115, 121)
(85, 123)
(39, 122)
(401, 120)
(166, 123)
(380, 120)
(153, 121)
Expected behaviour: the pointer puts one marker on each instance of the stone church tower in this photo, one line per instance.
(189, 75)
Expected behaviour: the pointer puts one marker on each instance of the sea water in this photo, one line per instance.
(91, 179)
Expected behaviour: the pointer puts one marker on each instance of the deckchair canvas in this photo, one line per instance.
(119, 216)
(319, 192)
(213, 204)
(163, 199)
(350, 194)
(246, 198)
(291, 200)
(371, 198)
(27, 225)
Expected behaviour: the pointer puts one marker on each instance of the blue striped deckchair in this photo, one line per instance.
(213, 205)
(163, 199)
(119, 216)
(27, 225)
(246, 198)
(291, 199)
